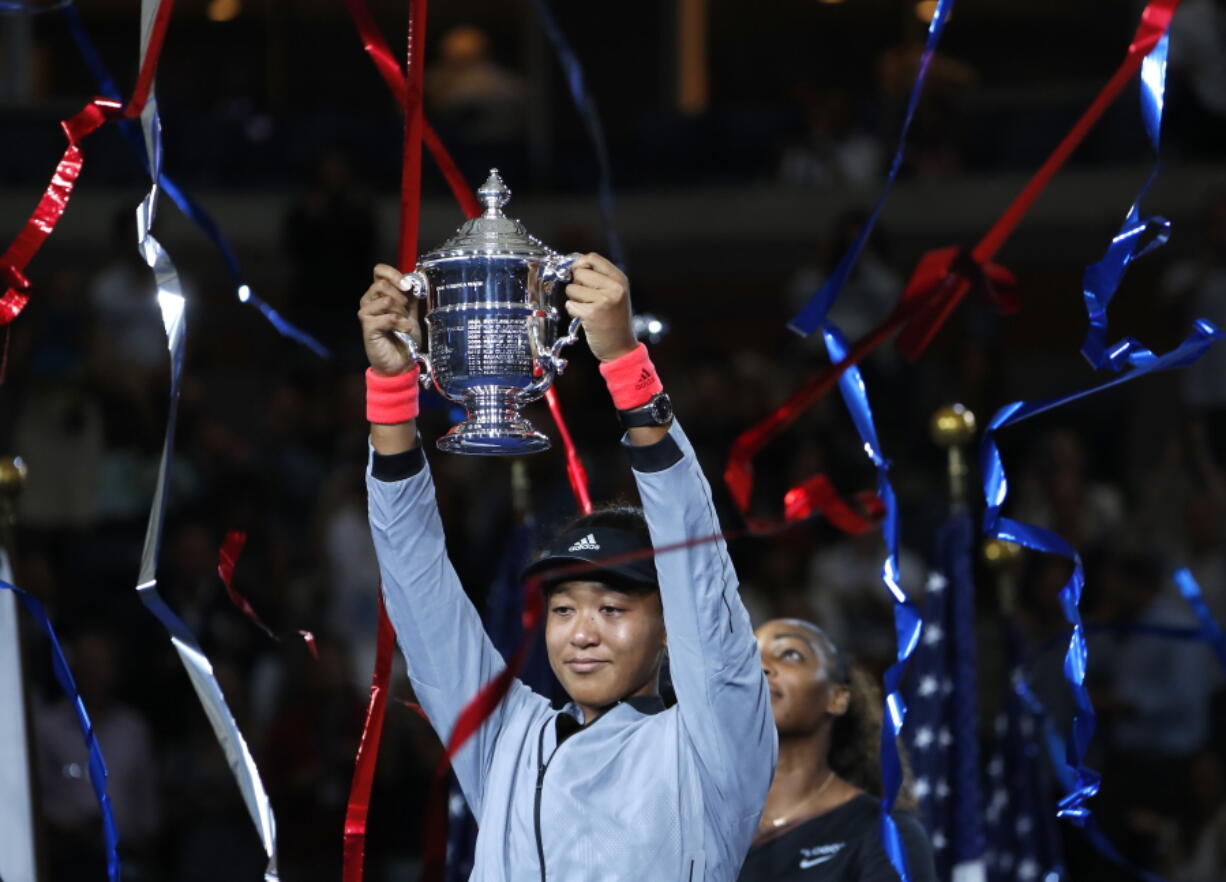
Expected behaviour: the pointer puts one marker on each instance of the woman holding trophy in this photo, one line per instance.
(614, 786)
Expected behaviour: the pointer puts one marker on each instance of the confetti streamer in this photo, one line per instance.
(173, 308)
(1084, 782)
(227, 560)
(814, 313)
(97, 765)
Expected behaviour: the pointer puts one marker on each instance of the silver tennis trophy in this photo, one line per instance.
(493, 296)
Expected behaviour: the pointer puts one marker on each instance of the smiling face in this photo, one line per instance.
(805, 694)
(604, 645)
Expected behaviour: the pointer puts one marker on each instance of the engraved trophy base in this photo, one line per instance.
(494, 426)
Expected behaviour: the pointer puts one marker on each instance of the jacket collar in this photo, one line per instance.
(569, 720)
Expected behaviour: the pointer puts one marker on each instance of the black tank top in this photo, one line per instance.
(842, 845)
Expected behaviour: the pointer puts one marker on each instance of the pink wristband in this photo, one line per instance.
(631, 379)
(391, 400)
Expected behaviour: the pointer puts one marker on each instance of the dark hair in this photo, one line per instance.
(614, 516)
(855, 737)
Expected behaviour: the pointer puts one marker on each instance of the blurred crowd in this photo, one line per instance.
(804, 98)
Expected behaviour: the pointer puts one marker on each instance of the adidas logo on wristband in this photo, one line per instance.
(587, 543)
(644, 379)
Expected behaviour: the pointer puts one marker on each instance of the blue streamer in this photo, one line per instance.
(1210, 630)
(586, 106)
(1084, 782)
(907, 619)
(1131, 629)
(190, 208)
(1057, 750)
(97, 766)
(1136, 237)
(813, 315)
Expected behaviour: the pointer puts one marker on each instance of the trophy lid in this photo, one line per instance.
(492, 233)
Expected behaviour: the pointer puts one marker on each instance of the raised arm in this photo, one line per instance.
(439, 631)
(714, 661)
(713, 658)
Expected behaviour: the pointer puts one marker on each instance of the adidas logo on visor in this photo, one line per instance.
(587, 543)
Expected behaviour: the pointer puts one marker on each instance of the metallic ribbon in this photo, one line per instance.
(1155, 21)
(1101, 280)
(388, 68)
(814, 495)
(575, 472)
(190, 208)
(357, 808)
(941, 279)
(907, 620)
(1057, 750)
(1210, 630)
(385, 63)
(227, 560)
(55, 198)
(1083, 780)
(173, 307)
(97, 766)
(1136, 237)
(939, 274)
(408, 89)
(813, 315)
(50, 207)
(586, 106)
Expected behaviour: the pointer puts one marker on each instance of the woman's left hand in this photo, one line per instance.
(599, 296)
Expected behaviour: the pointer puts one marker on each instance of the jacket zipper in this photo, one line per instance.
(541, 767)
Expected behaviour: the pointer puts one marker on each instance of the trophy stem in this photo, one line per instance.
(494, 426)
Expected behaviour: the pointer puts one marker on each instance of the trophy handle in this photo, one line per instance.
(550, 363)
(420, 288)
(556, 269)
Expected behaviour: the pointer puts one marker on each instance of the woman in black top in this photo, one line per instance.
(822, 817)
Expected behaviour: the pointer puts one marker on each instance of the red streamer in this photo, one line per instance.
(1155, 21)
(575, 472)
(358, 807)
(414, 122)
(227, 560)
(941, 279)
(385, 63)
(55, 198)
(376, 47)
(409, 92)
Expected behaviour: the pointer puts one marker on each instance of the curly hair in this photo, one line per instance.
(855, 737)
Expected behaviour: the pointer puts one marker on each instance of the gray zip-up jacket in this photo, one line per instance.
(643, 794)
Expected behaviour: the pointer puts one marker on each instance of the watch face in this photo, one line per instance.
(661, 409)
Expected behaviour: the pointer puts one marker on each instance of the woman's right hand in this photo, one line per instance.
(386, 307)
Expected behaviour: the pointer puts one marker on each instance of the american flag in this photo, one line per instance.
(940, 729)
(1023, 839)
